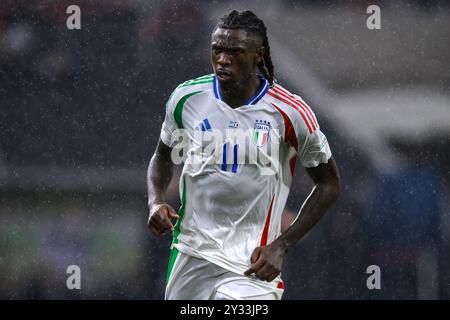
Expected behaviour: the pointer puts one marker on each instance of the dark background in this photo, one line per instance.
(81, 111)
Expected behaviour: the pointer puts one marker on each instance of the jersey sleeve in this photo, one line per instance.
(169, 125)
(313, 148)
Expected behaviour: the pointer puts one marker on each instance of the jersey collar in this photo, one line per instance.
(253, 100)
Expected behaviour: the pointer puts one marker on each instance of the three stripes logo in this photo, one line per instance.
(204, 125)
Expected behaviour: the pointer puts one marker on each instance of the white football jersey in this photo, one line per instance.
(238, 166)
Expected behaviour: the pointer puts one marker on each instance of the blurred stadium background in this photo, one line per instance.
(81, 110)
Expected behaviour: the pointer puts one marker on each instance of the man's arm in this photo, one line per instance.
(326, 190)
(159, 174)
(267, 261)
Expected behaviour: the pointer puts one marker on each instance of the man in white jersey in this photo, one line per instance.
(241, 135)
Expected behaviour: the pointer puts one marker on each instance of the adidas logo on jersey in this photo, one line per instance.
(204, 125)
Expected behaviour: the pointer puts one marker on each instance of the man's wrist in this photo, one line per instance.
(153, 202)
(283, 244)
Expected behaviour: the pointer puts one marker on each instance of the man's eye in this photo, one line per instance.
(232, 52)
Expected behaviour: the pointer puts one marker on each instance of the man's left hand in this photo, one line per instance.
(266, 262)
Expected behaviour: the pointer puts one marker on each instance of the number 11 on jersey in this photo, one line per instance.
(235, 157)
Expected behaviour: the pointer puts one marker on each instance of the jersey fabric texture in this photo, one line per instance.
(231, 207)
(198, 279)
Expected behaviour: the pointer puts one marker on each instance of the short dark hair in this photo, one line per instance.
(247, 20)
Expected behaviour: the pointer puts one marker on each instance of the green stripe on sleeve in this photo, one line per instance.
(208, 76)
(205, 76)
(178, 113)
(187, 84)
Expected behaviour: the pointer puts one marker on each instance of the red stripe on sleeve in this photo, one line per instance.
(299, 102)
(301, 112)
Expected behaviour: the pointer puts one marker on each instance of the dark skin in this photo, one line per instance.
(159, 175)
(267, 261)
(234, 56)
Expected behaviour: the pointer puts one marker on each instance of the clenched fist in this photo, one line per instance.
(159, 220)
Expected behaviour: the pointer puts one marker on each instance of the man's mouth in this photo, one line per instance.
(223, 75)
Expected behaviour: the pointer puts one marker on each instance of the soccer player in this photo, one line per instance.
(227, 240)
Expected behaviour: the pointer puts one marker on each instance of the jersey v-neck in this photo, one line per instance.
(252, 101)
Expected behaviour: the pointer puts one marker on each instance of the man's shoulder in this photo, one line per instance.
(284, 96)
(205, 79)
(292, 106)
(192, 86)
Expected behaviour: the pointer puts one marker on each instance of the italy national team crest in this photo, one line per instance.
(261, 132)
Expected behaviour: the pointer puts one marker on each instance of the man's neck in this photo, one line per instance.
(240, 94)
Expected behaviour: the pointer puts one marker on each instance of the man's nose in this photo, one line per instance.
(224, 59)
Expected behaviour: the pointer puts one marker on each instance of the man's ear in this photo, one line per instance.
(259, 55)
